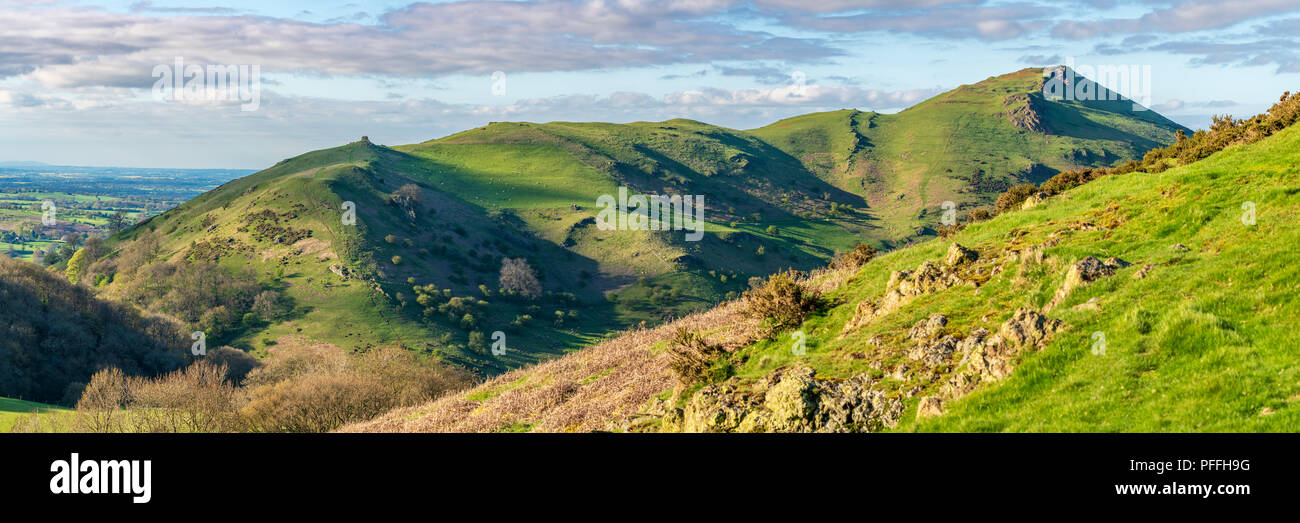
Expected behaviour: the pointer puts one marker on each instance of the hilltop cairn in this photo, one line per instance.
(905, 285)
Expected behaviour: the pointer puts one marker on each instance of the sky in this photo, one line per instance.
(80, 81)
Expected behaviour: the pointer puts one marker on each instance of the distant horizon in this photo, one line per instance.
(11, 163)
(16, 164)
(104, 92)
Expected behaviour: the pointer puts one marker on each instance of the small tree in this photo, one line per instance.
(77, 265)
(268, 305)
(518, 277)
(117, 222)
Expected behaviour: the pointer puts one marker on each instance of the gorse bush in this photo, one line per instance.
(1014, 196)
(781, 301)
(858, 256)
(691, 356)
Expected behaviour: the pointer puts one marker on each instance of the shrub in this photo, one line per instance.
(1014, 196)
(945, 231)
(346, 391)
(77, 265)
(858, 256)
(197, 398)
(781, 301)
(691, 356)
(237, 362)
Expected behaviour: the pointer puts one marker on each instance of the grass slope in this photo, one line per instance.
(13, 410)
(789, 195)
(1203, 342)
(965, 146)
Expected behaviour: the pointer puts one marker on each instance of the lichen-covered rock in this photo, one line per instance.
(904, 285)
(1026, 330)
(715, 408)
(958, 256)
(792, 399)
(862, 314)
(928, 328)
(1088, 270)
(934, 352)
(928, 407)
(1034, 200)
(928, 278)
(972, 341)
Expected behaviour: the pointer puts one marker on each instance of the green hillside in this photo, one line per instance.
(1146, 301)
(421, 268)
(12, 411)
(964, 146)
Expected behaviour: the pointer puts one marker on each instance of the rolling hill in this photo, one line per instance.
(435, 220)
(1156, 301)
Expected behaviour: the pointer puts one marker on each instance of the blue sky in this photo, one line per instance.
(76, 77)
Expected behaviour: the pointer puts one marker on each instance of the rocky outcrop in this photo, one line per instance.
(993, 357)
(1034, 200)
(1086, 271)
(931, 348)
(959, 256)
(928, 407)
(1025, 110)
(905, 285)
(792, 399)
(927, 328)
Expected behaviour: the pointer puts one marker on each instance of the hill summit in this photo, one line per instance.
(490, 238)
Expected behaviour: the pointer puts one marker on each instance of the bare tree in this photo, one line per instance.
(518, 277)
(408, 198)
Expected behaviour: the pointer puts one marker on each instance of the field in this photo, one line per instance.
(85, 199)
(12, 410)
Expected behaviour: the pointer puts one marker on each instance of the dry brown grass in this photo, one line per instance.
(592, 389)
(597, 388)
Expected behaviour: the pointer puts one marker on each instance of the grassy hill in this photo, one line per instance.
(964, 146)
(421, 271)
(1146, 301)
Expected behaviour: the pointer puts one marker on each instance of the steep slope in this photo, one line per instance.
(353, 283)
(1136, 302)
(965, 146)
(421, 269)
